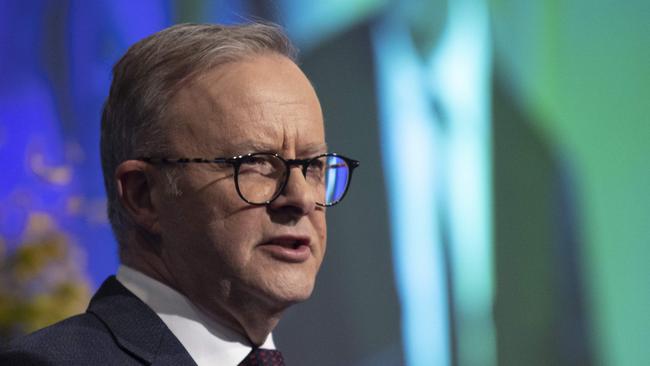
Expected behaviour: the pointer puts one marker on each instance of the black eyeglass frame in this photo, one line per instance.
(237, 161)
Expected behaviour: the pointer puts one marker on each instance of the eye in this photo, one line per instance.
(263, 165)
(317, 164)
(336, 165)
(316, 169)
(327, 165)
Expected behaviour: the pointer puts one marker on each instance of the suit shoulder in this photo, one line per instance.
(81, 338)
(77, 329)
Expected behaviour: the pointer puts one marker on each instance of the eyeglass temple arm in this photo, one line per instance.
(183, 160)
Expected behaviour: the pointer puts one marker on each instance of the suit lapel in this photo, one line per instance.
(136, 328)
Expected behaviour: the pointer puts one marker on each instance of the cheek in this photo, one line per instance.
(236, 232)
(222, 248)
(205, 214)
(320, 227)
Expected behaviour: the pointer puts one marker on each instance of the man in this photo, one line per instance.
(217, 176)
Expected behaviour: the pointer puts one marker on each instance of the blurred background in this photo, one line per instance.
(500, 215)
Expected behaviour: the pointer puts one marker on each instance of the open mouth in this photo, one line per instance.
(288, 249)
(292, 244)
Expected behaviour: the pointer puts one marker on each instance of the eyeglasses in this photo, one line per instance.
(261, 177)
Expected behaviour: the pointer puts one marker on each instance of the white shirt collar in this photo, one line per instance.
(208, 342)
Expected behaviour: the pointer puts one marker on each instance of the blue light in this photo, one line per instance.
(410, 141)
(437, 169)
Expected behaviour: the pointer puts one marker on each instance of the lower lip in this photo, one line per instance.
(293, 255)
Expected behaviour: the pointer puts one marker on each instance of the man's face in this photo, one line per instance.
(222, 252)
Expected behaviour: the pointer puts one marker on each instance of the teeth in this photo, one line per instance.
(291, 244)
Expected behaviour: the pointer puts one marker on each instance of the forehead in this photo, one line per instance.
(261, 103)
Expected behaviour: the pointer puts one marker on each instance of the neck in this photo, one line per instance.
(253, 318)
(253, 322)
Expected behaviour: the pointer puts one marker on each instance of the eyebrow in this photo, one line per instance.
(313, 149)
(247, 147)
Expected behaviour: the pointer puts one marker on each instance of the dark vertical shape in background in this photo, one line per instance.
(445, 240)
(353, 315)
(572, 339)
(538, 307)
(523, 174)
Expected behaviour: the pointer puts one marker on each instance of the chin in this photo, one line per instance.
(286, 291)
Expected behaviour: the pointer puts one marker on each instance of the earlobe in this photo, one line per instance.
(135, 189)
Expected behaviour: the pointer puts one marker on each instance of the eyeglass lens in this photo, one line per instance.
(261, 177)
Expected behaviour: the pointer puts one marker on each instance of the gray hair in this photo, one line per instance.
(147, 77)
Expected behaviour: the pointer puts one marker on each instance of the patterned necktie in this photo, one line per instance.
(263, 357)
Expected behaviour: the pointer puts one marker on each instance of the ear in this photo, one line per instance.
(135, 189)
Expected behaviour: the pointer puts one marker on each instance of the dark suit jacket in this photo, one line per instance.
(117, 329)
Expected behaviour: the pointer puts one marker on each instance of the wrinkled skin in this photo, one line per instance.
(210, 246)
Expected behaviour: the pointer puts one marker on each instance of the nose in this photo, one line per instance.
(297, 197)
